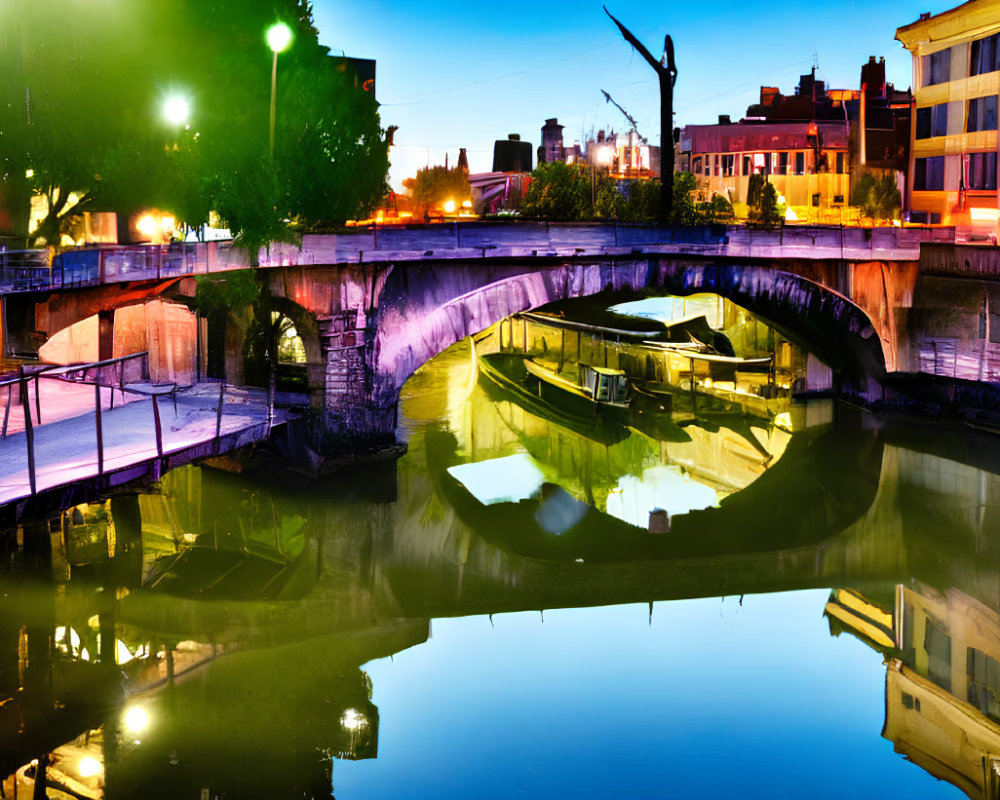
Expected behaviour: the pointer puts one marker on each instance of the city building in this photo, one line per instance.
(512, 155)
(952, 177)
(809, 144)
(624, 156)
(551, 148)
(806, 161)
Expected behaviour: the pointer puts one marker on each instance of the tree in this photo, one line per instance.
(434, 186)
(762, 199)
(558, 191)
(666, 74)
(877, 196)
(92, 135)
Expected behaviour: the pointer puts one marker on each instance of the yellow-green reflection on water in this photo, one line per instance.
(266, 635)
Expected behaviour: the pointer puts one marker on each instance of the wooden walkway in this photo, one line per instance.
(68, 466)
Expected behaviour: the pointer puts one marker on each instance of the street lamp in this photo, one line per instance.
(279, 36)
(176, 110)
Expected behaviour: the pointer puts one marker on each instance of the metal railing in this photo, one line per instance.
(126, 374)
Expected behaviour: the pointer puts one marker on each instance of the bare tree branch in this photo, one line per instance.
(630, 38)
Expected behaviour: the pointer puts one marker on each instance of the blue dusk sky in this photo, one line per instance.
(454, 75)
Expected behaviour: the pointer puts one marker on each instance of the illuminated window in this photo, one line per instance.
(983, 171)
(983, 55)
(928, 174)
(982, 114)
(932, 121)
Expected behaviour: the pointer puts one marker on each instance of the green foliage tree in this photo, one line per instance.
(80, 106)
(877, 196)
(558, 191)
(433, 186)
(762, 199)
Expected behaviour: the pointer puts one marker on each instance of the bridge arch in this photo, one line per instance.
(417, 318)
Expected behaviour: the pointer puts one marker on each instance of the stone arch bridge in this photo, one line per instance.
(369, 321)
(375, 325)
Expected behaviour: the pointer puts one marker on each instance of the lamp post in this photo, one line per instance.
(279, 36)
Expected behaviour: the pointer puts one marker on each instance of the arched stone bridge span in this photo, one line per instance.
(378, 324)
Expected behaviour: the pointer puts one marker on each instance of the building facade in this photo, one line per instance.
(952, 176)
(807, 162)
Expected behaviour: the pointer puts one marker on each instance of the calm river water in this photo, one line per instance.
(491, 617)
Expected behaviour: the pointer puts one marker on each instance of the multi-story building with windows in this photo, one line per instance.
(952, 177)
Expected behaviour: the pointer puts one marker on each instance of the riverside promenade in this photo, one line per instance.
(71, 466)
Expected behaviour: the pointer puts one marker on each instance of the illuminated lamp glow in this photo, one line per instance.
(984, 214)
(146, 225)
(279, 37)
(449, 207)
(176, 110)
(466, 204)
(136, 719)
(29, 173)
(88, 767)
(352, 720)
(604, 156)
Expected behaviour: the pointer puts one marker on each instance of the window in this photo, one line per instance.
(696, 165)
(937, 67)
(841, 163)
(718, 165)
(782, 163)
(928, 174)
(937, 645)
(983, 55)
(728, 165)
(708, 165)
(747, 168)
(932, 121)
(982, 114)
(800, 163)
(983, 171)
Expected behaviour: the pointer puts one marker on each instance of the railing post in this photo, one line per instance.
(218, 411)
(100, 432)
(158, 427)
(29, 435)
(38, 400)
(6, 411)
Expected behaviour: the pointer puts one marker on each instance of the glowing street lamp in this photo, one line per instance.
(176, 110)
(279, 36)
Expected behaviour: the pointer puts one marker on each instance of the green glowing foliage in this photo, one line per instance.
(81, 106)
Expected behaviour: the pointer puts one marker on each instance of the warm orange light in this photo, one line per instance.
(449, 207)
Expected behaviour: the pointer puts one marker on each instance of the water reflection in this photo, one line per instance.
(212, 633)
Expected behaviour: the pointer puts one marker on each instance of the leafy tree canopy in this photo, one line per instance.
(434, 186)
(81, 113)
(877, 196)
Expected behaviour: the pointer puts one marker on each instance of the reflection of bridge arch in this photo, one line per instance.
(822, 485)
(423, 311)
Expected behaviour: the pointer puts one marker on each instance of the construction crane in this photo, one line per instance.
(628, 116)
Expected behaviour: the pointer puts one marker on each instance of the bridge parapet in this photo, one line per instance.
(471, 242)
